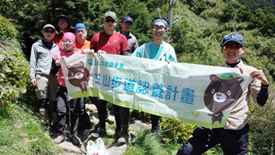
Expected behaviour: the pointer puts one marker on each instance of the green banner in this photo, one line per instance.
(197, 94)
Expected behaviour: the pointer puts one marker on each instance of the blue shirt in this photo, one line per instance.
(165, 52)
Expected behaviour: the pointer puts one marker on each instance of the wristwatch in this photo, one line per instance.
(265, 86)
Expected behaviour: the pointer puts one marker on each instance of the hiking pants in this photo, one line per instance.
(233, 142)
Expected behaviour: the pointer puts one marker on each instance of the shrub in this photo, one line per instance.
(14, 75)
(176, 131)
(7, 30)
(262, 124)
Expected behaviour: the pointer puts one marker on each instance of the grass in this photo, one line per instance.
(21, 133)
(146, 143)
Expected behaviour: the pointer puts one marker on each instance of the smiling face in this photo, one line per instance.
(68, 44)
(62, 24)
(109, 24)
(158, 30)
(232, 55)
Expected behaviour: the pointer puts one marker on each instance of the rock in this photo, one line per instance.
(90, 107)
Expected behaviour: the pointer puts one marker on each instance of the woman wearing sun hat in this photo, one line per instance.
(62, 24)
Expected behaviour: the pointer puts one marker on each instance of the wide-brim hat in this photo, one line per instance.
(68, 19)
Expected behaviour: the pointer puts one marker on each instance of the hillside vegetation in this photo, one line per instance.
(196, 38)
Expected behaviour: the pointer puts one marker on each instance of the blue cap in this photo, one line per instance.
(127, 19)
(236, 37)
(79, 26)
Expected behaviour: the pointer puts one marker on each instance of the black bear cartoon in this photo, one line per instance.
(220, 94)
(78, 75)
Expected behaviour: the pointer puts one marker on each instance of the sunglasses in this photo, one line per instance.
(234, 47)
(156, 27)
(49, 31)
(62, 21)
(80, 31)
(110, 20)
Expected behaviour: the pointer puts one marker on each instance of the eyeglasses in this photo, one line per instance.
(80, 31)
(110, 20)
(67, 41)
(128, 23)
(234, 47)
(48, 31)
(156, 27)
(62, 21)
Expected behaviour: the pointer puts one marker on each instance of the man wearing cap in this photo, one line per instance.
(63, 24)
(110, 42)
(233, 138)
(40, 66)
(126, 25)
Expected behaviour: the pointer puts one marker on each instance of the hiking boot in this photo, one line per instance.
(124, 135)
(99, 133)
(86, 134)
(110, 119)
(116, 136)
(75, 140)
(59, 139)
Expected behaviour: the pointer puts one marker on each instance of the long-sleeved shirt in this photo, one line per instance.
(41, 58)
(238, 117)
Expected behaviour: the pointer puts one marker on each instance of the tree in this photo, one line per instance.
(258, 18)
(268, 24)
(228, 13)
(244, 14)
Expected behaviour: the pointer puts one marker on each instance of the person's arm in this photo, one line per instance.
(54, 68)
(263, 93)
(172, 55)
(136, 45)
(124, 46)
(33, 61)
(127, 53)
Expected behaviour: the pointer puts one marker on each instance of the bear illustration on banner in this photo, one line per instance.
(221, 93)
(78, 75)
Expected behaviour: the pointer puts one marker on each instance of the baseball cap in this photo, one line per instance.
(127, 19)
(48, 26)
(80, 26)
(110, 14)
(233, 37)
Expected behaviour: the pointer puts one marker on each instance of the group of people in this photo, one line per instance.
(57, 43)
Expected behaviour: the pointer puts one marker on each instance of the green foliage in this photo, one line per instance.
(229, 13)
(146, 143)
(243, 14)
(262, 123)
(21, 133)
(269, 22)
(141, 26)
(175, 131)
(7, 29)
(258, 17)
(14, 73)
